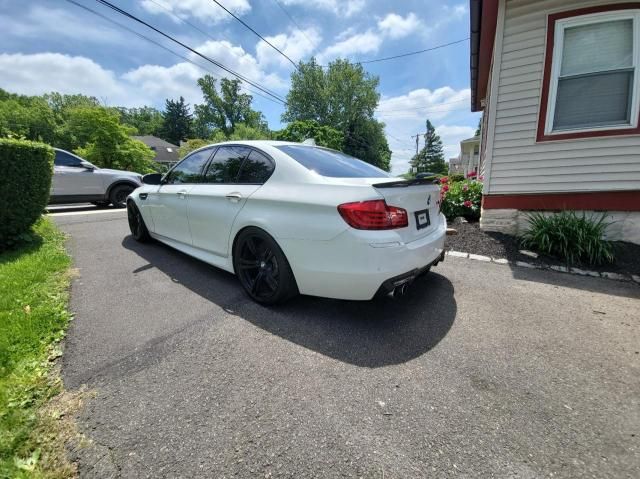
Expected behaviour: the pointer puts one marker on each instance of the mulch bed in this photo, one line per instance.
(471, 239)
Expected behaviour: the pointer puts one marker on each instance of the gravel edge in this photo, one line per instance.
(561, 269)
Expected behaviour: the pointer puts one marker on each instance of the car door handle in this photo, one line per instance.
(235, 197)
(182, 194)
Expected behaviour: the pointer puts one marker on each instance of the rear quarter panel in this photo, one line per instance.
(300, 211)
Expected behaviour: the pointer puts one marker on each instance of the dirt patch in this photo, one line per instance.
(471, 239)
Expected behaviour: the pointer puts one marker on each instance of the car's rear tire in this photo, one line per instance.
(138, 229)
(262, 268)
(118, 195)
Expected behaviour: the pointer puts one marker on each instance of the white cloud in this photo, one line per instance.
(45, 72)
(297, 46)
(35, 74)
(237, 59)
(366, 42)
(405, 115)
(338, 7)
(204, 10)
(395, 26)
(423, 102)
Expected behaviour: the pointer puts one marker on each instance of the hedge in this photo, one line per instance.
(27, 168)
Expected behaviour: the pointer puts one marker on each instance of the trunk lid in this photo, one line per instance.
(421, 199)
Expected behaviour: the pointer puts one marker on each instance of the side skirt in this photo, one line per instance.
(222, 262)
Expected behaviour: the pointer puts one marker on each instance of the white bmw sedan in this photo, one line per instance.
(290, 218)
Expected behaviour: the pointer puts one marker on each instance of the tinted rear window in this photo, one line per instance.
(331, 163)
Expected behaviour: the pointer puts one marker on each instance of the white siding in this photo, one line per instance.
(518, 163)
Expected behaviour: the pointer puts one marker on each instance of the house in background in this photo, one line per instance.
(559, 84)
(455, 165)
(470, 155)
(166, 153)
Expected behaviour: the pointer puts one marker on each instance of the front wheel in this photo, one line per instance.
(262, 268)
(118, 195)
(138, 229)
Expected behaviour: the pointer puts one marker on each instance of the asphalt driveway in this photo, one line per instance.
(481, 371)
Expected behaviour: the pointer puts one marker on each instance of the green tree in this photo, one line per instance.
(26, 116)
(301, 130)
(344, 97)
(146, 120)
(176, 122)
(95, 133)
(61, 103)
(431, 157)
(191, 145)
(225, 109)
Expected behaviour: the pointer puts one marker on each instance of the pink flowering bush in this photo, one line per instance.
(461, 198)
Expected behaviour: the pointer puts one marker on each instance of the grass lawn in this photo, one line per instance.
(34, 282)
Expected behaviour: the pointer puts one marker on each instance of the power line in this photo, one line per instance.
(295, 23)
(402, 55)
(423, 107)
(255, 33)
(144, 37)
(214, 62)
(400, 115)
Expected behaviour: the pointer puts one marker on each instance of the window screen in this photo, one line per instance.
(189, 170)
(257, 168)
(225, 165)
(595, 85)
(331, 163)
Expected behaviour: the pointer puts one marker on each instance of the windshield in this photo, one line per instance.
(332, 163)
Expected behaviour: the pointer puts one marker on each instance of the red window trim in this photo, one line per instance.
(596, 201)
(546, 82)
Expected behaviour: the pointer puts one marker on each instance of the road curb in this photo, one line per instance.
(633, 278)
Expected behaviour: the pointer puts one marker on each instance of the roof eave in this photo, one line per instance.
(483, 22)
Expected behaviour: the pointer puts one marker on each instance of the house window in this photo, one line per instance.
(593, 84)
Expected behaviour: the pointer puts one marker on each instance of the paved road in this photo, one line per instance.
(481, 371)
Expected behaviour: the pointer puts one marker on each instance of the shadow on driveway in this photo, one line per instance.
(369, 334)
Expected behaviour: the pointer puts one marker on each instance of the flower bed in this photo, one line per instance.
(461, 198)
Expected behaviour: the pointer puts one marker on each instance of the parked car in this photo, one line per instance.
(288, 218)
(75, 180)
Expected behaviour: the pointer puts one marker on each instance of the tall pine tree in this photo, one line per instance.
(176, 125)
(431, 158)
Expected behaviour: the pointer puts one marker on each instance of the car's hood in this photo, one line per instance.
(121, 172)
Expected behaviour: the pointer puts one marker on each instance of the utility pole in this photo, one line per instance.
(417, 137)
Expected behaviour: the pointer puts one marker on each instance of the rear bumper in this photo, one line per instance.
(356, 265)
(404, 280)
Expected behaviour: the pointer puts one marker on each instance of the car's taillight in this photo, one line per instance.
(373, 215)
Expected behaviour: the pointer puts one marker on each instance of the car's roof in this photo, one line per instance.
(260, 143)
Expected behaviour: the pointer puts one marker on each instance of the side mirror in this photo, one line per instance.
(152, 179)
(87, 166)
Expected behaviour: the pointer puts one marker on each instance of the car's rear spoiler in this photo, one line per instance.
(406, 183)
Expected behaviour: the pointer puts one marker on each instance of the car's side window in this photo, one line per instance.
(225, 165)
(257, 168)
(65, 159)
(189, 170)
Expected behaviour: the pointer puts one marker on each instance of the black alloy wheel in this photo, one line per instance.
(136, 223)
(118, 195)
(262, 268)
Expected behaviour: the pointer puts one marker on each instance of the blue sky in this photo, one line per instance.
(54, 45)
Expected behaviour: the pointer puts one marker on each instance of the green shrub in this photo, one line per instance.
(454, 178)
(24, 190)
(572, 238)
(461, 198)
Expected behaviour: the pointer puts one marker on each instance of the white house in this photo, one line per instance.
(559, 84)
(470, 155)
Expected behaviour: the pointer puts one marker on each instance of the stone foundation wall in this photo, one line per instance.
(625, 225)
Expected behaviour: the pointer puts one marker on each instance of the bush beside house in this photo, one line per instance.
(27, 168)
(461, 198)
